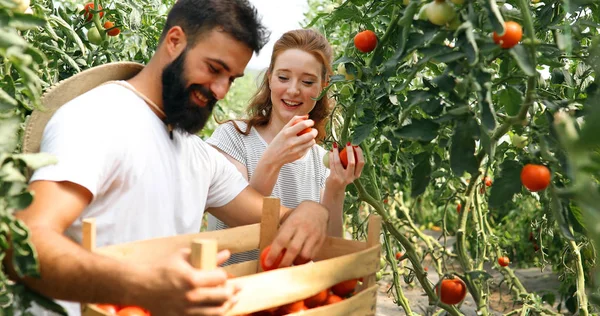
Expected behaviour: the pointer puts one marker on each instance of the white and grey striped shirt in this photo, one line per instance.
(298, 181)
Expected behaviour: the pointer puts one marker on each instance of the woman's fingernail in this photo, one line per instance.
(334, 145)
(348, 144)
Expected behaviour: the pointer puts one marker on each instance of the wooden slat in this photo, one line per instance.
(204, 254)
(242, 269)
(92, 310)
(236, 239)
(363, 303)
(88, 238)
(373, 238)
(282, 286)
(335, 247)
(269, 224)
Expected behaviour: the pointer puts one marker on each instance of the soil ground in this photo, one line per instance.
(501, 302)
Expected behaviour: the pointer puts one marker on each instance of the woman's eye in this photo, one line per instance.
(282, 78)
(308, 83)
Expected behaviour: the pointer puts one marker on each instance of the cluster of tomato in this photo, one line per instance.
(123, 311)
(93, 34)
(336, 293)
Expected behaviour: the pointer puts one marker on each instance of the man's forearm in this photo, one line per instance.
(69, 272)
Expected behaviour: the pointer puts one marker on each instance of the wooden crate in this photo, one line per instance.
(338, 260)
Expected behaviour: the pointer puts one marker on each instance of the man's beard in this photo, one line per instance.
(181, 112)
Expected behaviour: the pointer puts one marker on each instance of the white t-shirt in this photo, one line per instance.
(298, 181)
(144, 184)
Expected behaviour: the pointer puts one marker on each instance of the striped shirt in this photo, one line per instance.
(298, 181)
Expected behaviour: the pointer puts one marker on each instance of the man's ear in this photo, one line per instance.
(175, 42)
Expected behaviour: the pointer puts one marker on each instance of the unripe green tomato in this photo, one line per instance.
(382, 263)
(423, 12)
(440, 13)
(378, 275)
(405, 2)
(326, 160)
(94, 36)
(22, 5)
(341, 69)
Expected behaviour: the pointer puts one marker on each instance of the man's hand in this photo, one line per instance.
(175, 288)
(302, 233)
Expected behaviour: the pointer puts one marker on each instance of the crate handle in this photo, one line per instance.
(204, 254)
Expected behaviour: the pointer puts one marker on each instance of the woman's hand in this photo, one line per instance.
(288, 146)
(340, 177)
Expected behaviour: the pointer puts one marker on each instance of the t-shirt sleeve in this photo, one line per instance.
(82, 145)
(226, 181)
(230, 141)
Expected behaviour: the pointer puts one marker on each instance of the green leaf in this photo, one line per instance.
(37, 160)
(6, 101)
(561, 217)
(467, 42)
(420, 130)
(494, 16)
(462, 150)
(523, 59)
(10, 38)
(506, 184)
(488, 115)
(9, 128)
(69, 32)
(511, 99)
(23, 22)
(421, 175)
(20, 201)
(361, 132)
(47, 303)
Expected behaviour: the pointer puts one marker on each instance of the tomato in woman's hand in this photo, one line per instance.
(344, 156)
(132, 311)
(263, 258)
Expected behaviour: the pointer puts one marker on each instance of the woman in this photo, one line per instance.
(278, 143)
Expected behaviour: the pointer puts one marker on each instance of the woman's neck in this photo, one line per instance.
(269, 131)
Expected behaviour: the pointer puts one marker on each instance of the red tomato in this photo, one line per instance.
(344, 288)
(453, 291)
(458, 208)
(332, 299)
(317, 299)
(344, 156)
(89, 15)
(535, 177)
(398, 255)
(114, 31)
(365, 41)
(263, 257)
(109, 308)
(132, 311)
(513, 32)
(292, 308)
(487, 181)
(503, 261)
(304, 131)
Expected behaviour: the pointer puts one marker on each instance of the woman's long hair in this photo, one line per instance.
(312, 42)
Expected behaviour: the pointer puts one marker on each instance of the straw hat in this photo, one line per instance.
(66, 90)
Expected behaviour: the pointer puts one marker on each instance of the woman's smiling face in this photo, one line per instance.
(294, 81)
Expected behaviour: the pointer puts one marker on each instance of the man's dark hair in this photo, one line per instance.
(235, 17)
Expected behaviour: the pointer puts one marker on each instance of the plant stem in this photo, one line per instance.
(580, 281)
(400, 298)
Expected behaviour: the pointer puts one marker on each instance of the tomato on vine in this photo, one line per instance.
(451, 291)
(90, 7)
(365, 41)
(110, 28)
(94, 36)
(535, 177)
(503, 261)
(440, 12)
(487, 181)
(513, 32)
